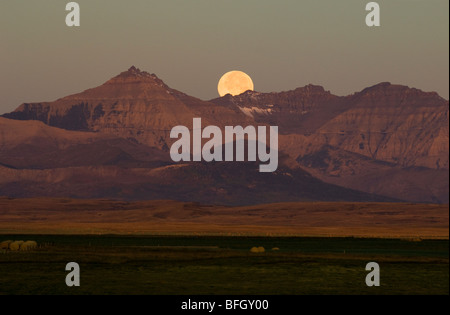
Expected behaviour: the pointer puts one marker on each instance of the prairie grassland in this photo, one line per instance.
(322, 219)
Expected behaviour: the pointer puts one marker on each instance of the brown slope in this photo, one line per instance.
(385, 122)
(38, 160)
(301, 111)
(133, 105)
(221, 183)
(389, 140)
(347, 169)
(395, 124)
(405, 127)
(34, 145)
(159, 217)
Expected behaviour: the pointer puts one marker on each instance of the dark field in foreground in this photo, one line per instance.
(224, 265)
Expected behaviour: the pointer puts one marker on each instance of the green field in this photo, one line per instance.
(224, 265)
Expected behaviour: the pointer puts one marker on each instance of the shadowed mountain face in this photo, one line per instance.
(39, 160)
(385, 122)
(386, 142)
(134, 105)
(387, 139)
(34, 145)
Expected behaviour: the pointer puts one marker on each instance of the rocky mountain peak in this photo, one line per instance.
(136, 72)
(135, 75)
(311, 89)
(131, 84)
(134, 69)
(385, 90)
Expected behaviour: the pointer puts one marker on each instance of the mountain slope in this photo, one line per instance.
(387, 140)
(38, 160)
(34, 145)
(224, 184)
(350, 170)
(385, 122)
(133, 105)
(301, 111)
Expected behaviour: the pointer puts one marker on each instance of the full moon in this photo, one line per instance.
(235, 83)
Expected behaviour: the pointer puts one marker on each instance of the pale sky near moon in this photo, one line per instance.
(280, 44)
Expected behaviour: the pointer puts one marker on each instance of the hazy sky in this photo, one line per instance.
(281, 44)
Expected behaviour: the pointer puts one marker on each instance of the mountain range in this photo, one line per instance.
(385, 143)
